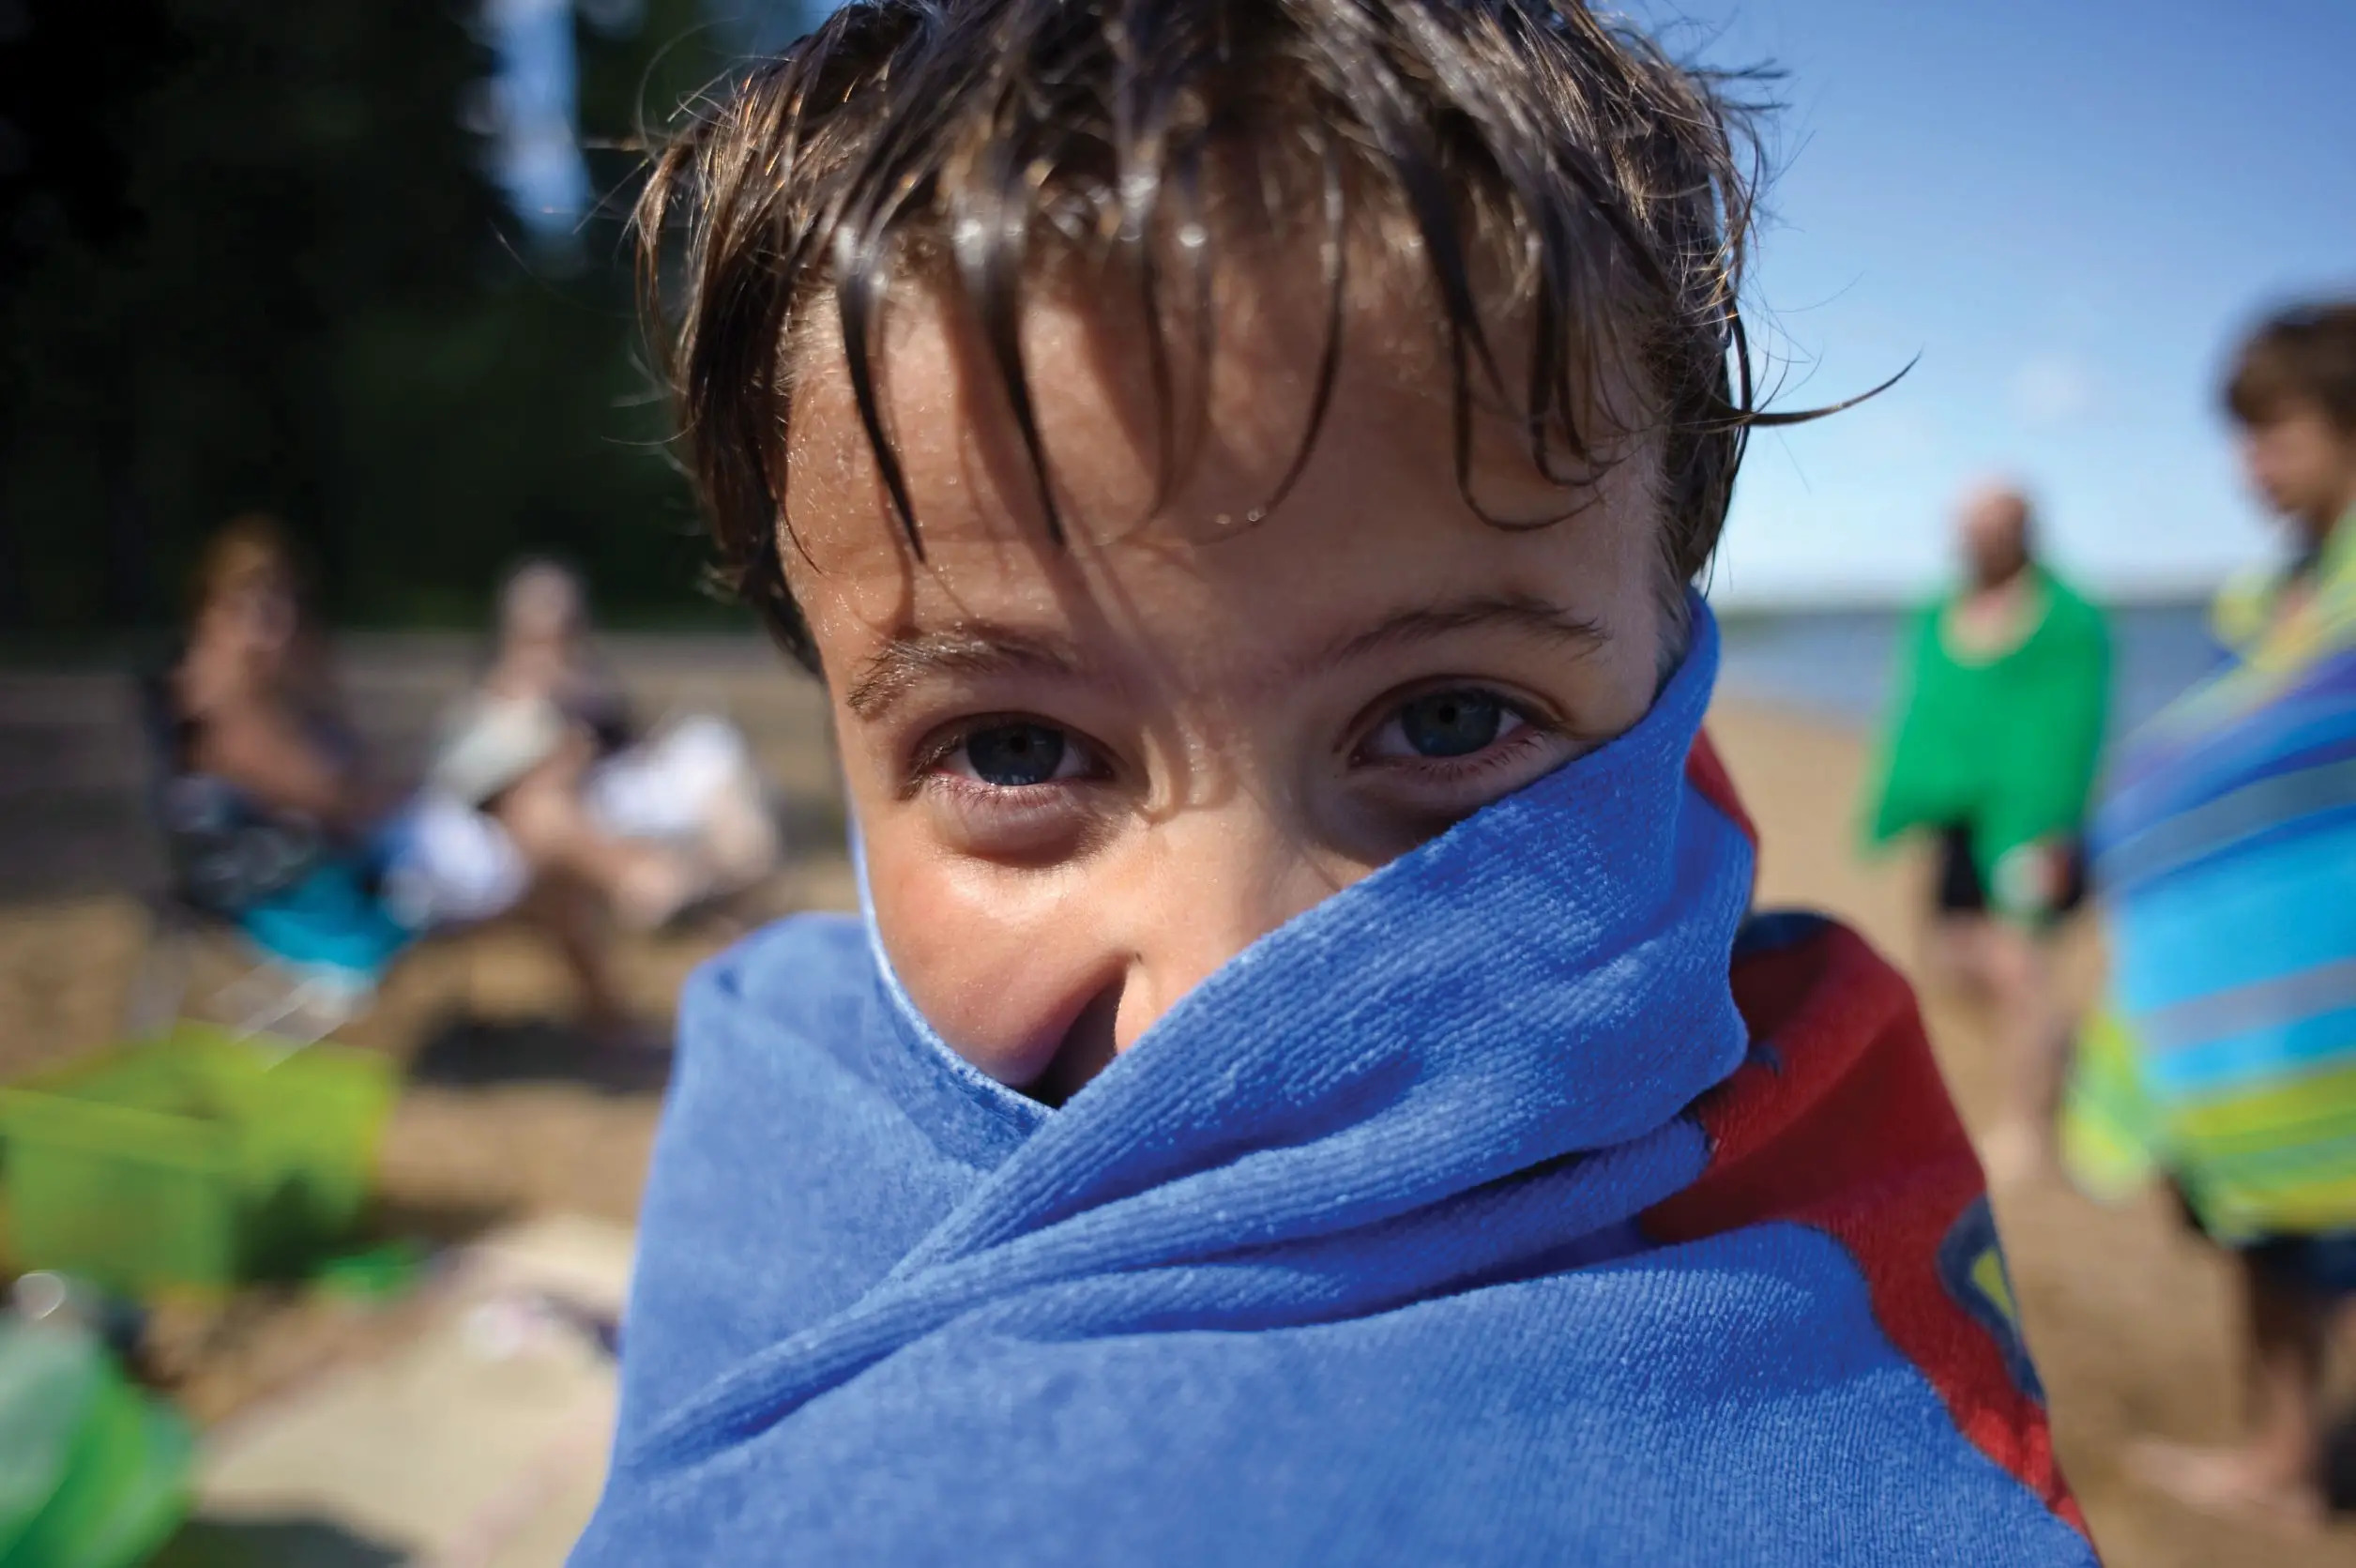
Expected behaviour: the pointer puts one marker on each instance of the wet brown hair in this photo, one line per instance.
(974, 138)
(2305, 355)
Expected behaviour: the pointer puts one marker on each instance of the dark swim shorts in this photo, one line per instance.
(1961, 890)
(2321, 1262)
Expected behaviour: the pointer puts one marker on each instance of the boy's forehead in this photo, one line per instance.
(1385, 439)
(1375, 533)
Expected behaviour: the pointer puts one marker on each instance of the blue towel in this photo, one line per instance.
(1462, 1220)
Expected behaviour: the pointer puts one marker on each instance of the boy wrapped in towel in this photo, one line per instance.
(1307, 1085)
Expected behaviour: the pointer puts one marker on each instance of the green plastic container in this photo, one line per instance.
(93, 1473)
(199, 1160)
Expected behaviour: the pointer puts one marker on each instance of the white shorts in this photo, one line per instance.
(663, 787)
(446, 863)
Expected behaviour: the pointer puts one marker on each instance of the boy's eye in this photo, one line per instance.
(1016, 755)
(1446, 723)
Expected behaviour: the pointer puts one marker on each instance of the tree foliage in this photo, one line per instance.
(251, 258)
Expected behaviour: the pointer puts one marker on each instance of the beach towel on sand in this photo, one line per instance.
(1506, 1208)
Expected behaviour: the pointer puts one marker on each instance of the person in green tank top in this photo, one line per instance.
(1995, 738)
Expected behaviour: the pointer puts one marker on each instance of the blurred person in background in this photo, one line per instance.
(274, 821)
(268, 799)
(1994, 742)
(2226, 862)
(549, 703)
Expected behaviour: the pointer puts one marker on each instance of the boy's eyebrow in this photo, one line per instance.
(1422, 622)
(987, 648)
(969, 650)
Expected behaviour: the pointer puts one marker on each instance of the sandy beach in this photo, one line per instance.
(507, 1116)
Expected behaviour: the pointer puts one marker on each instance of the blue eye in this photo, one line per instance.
(1015, 756)
(1445, 724)
(1450, 724)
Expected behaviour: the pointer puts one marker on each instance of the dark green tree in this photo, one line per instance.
(254, 260)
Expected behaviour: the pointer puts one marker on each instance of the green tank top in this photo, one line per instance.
(2007, 746)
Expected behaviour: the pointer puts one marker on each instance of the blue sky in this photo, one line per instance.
(2067, 210)
(536, 154)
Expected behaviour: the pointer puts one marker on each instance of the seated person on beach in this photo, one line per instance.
(1995, 738)
(2225, 858)
(274, 823)
(548, 702)
(1306, 1084)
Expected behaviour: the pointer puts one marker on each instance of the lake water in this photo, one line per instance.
(1839, 663)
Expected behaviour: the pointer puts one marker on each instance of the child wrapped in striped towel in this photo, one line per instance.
(2225, 854)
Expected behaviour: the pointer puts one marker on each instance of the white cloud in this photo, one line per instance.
(2054, 390)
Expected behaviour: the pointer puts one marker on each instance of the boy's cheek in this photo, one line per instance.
(1002, 973)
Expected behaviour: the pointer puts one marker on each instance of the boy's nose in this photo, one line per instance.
(1205, 885)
